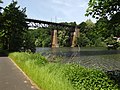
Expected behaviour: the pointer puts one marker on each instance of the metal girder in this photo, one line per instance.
(40, 23)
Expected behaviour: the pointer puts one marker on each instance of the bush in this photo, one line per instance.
(88, 79)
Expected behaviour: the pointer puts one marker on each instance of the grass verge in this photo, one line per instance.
(55, 76)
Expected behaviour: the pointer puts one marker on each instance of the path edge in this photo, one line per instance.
(27, 77)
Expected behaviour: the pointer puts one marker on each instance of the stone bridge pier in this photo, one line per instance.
(74, 37)
(54, 39)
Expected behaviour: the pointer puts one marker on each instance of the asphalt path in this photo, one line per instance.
(11, 78)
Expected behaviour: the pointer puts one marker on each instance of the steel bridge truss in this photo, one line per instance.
(39, 23)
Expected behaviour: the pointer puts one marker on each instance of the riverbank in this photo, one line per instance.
(56, 76)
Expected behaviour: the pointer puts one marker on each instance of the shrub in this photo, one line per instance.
(83, 78)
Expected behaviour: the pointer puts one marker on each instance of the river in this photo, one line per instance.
(99, 58)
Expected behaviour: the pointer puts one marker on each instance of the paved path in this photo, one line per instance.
(11, 78)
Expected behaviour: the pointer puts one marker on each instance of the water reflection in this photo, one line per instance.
(89, 57)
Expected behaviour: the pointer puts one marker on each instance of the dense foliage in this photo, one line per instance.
(55, 76)
(13, 27)
(91, 34)
(0, 24)
(28, 42)
(104, 8)
(15, 35)
(107, 12)
(42, 37)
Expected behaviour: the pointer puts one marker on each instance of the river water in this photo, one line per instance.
(99, 58)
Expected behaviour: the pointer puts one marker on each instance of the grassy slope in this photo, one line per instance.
(55, 76)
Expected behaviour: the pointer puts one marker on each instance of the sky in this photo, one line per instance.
(54, 10)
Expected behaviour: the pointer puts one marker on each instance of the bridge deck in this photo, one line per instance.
(49, 23)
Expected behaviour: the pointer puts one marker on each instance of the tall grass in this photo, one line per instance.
(55, 76)
(46, 75)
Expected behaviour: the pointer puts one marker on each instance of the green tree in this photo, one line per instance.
(0, 1)
(106, 29)
(0, 7)
(14, 27)
(82, 40)
(82, 27)
(91, 33)
(29, 41)
(43, 37)
(86, 26)
(89, 26)
(104, 8)
(102, 26)
(1, 45)
(108, 13)
(63, 38)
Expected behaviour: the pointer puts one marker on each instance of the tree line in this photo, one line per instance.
(12, 27)
(16, 36)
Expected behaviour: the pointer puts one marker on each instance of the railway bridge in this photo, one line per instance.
(74, 30)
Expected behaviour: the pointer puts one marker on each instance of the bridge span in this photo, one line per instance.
(40, 23)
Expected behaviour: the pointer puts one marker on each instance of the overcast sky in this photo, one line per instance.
(55, 10)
